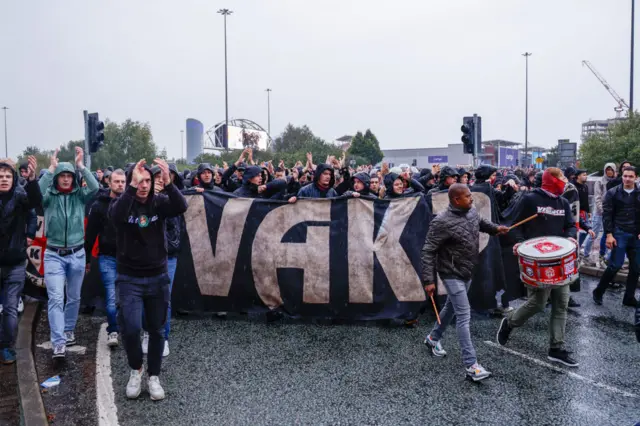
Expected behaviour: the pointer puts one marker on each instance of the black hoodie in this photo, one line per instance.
(141, 241)
(99, 226)
(312, 190)
(15, 207)
(250, 190)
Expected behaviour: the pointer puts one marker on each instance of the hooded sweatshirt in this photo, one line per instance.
(98, 226)
(15, 208)
(554, 212)
(140, 229)
(273, 189)
(313, 190)
(600, 187)
(64, 212)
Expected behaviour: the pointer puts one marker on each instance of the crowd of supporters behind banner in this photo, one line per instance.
(72, 198)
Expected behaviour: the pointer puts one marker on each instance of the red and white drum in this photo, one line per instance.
(547, 262)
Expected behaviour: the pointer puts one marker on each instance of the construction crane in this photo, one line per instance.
(622, 104)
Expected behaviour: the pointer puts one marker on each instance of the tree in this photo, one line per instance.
(553, 157)
(366, 146)
(620, 142)
(293, 144)
(125, 143)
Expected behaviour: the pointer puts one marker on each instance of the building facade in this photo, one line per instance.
(451, 155)
(597, 127)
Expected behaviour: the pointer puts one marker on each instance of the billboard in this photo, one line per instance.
(438, 159)
(237, 134)
(507, 157)
(534, 156)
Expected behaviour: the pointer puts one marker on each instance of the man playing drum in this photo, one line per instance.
(554, 220)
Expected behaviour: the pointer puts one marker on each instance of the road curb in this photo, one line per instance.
(621, 277)
(33, 412)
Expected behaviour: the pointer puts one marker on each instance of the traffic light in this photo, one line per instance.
(467, 135)
(96, 132)
(471, 134)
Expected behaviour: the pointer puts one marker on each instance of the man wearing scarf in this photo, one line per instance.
(554, 219)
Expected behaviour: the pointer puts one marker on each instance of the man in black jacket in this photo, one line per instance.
(142, 279)
(620, 219)
(15, 204)
(452, 250)
(99, 226)
(253, 187)
(554, 219)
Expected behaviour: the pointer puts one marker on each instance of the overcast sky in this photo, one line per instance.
(408, 69)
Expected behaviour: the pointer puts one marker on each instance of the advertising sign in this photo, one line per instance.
(438, 159)
(507, 157)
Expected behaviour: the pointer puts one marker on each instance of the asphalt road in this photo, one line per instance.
(237, 371)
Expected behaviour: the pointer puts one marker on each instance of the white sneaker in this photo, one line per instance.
(155, 389)
(70, 338)
(112, 339)
(165, 352)
(436, 346)
(59, 351)
(134, 387)
(20, 306)
(145, 342)
(477, 372)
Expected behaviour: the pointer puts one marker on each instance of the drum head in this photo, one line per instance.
(546, 248)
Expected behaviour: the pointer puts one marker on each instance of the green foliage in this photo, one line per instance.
(294, 143)
(125, 143)
(366, 146)
(621, 142)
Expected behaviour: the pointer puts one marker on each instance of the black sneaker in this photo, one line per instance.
(502, 336)
(597, 299)
(630, 302)
(562, 356)
(573, 303)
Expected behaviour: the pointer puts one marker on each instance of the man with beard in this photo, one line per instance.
(142, 280)
(16, 203)
(252, 185)
(599, 191)
(554, 219)
(64, 201)
(322, 185)
(99, 226)
(451, 250)
(621, 219)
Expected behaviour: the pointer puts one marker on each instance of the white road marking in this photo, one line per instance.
(563, 371)
(105, 398)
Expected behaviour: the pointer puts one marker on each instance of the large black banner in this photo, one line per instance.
(339, 258)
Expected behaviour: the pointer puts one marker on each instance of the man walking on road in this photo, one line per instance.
(554, 219)
(452, 250)
(98, 226)
(64, 203)
(142, 280)
(16, 203)
(621, 222)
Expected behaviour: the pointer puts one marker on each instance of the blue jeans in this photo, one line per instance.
(136, 295)
(11, 284)
(107, 265)
(172, 263)
(629, 245)
(596, 223)
(63, 273)
(457, 304)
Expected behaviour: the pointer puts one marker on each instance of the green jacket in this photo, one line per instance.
(64, 213)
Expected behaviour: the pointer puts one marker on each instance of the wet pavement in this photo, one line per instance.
(236, 371)
(73, 402)
(9, 395)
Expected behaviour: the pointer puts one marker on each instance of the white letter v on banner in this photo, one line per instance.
(215, 272)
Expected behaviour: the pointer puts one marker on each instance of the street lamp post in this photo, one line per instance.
(6, 144)
(633, 12)
(225, 13)
(182, 143)
(269, 112)
(526, 106)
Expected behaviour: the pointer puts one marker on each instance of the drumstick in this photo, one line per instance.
(523, 221)
(433, 302)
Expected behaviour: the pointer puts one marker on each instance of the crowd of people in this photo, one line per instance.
(135, 213)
